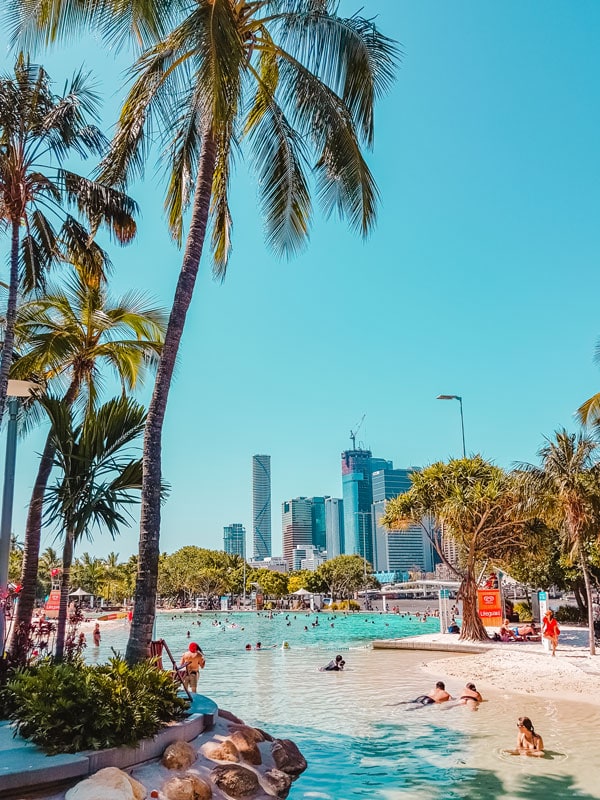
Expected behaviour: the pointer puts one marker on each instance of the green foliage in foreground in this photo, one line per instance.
(65, 708)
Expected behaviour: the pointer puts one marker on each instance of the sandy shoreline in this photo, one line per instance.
(525, 668)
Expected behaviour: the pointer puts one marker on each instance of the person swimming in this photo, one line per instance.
(335, 665)
(439, 695)
(470, 696)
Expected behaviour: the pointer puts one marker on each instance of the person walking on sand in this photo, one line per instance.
(96, 635)
(192, 661)
(550, 630)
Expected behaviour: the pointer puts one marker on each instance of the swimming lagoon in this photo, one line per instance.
(357, 741)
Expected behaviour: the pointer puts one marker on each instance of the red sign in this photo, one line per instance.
(53, 603)
(490, 606)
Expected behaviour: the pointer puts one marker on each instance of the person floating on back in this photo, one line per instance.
(192, 661)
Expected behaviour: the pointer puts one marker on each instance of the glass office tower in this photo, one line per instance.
(261, 506)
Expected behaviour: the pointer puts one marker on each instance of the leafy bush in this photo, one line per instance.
(68, 707)
(524, 612)
(569, 614)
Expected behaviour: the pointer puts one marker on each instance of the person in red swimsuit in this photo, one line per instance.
(550, 630)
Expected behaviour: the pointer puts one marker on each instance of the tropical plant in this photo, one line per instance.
(97, 476)
(38, 127)
(474, 502)
(565, 492)
(290, 79)
(73, 335)
(69, 707)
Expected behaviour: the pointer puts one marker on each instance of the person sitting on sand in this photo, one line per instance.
(439, 695)
(505, 632)
(529, 742)
(471, 697)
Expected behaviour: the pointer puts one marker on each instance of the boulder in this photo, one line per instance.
(188, 787)
(107, 784)
(235, 781)
(278, 782)
(178, 755)
(287, 757)
(251, 734)
(230, 717)
(221, 751)
(246, 746)
(266, 736)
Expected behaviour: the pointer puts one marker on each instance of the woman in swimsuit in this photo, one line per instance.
(529, 742)
(471, 697)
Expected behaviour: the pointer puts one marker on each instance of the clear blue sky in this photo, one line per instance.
(481, 278)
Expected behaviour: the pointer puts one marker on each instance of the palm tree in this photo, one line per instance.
(37, 127)
(97, 476)
(565, 492)
(71, 335)
(475, 504)
(290, 80)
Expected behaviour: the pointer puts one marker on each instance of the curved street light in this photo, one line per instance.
(462, 421)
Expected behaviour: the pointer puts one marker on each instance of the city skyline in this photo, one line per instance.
(486, 167)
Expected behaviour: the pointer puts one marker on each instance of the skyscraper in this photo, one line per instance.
(296, 525)
(397, 551)
(357, 486)
(334, 526)
(234, 539)
(319, 537)
(261, 506)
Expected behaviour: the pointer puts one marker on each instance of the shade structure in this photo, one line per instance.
(80, 593)
(302, 593)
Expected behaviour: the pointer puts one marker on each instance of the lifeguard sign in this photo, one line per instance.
(489, 603)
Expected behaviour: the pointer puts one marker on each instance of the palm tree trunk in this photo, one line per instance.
(144, 609)
(18, 645)
(472, 627)
(11, 316)
(590, 607)
(64, 596)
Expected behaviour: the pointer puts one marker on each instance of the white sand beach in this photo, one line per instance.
(526, 668)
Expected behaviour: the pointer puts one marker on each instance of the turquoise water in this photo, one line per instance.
(358, 743)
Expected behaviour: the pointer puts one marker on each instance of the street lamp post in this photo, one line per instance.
(15, 392)
(462, 421)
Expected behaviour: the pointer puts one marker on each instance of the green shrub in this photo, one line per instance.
(523, 610)
(348, 605)
(68, 707)
(570, 614)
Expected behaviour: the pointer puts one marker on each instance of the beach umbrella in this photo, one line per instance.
(302, 593)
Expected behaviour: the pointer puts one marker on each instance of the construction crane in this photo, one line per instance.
(353, 433)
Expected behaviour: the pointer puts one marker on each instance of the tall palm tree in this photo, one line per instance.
(286, 79)
(38, 127)
(72, 335)
(97, 478)
(565, 492)
(291, 81)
